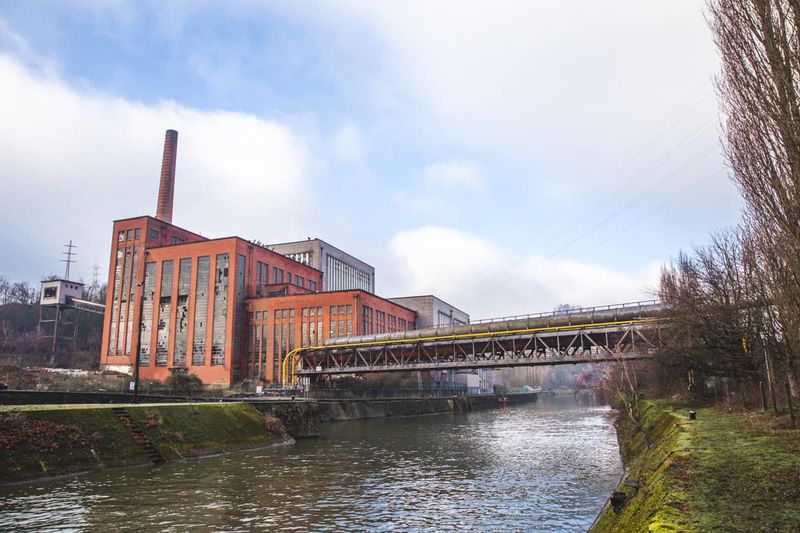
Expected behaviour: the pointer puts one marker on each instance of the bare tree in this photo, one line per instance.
(759, 43)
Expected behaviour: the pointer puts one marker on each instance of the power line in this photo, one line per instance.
(69, 253)
(627, 184)
(602, 222)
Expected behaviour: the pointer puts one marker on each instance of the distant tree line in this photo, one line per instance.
(19, 321)
(734, 304)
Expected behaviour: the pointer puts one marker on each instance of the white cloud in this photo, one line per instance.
(72, 160)
(576, 88)
(442, 187)
(454, 173)
(486, 280)
(348, 145)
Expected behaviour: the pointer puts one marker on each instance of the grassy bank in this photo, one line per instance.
(36, 442)
(726, 471)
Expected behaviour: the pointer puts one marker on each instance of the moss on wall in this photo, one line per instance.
(656, 485)
(43, 441)
(726, 471)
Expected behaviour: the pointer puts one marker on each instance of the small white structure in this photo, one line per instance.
(58, 291)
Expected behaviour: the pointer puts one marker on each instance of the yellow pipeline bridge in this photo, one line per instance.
(597, 334)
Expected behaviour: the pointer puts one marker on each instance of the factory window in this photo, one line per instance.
(200, 311)
(332, 330)
(299, 281)
(112, 338)
(164, 309)
(137, 234)
(301, 257)
(129, 235)
(131, 296)
(182, 312)
(366, 320)
(253, 340)
(238, 315)
(289, 277)
(220, 310)
(121, 236)
(146, 322)
(313, 311)
(349, 309)
(174, 240)
(262, 277)
(258, 315)
(49, 292)
(277, 275)
(123, 313)
(276, 351)
(263, 367)
(312, 285)
(333, 310)
(153, 235)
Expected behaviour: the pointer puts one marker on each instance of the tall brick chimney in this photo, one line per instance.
(166, 189)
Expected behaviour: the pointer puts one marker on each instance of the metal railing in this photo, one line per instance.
(382, 394)
(567, 312)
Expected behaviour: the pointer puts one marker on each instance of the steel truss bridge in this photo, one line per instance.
(588, 335)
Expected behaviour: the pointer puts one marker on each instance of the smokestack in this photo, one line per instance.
(166, 189)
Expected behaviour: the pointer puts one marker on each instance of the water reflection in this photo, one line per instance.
(542, 467)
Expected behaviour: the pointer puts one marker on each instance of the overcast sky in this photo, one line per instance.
(505, 156)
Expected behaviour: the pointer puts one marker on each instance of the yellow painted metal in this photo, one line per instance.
(292, 354)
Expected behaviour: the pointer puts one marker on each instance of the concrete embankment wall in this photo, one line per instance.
(36, 397)
(47, 440)
(336, 410)
(52, 440)
(655, 454)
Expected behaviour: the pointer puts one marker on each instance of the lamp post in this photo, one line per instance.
(136, 355)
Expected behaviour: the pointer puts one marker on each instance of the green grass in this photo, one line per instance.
(72, 406)
(746, 473)
(726, 471)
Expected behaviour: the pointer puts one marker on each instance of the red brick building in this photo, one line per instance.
(192, 313)
(224, 309)
(278, 324)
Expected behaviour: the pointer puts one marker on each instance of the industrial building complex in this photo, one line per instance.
(229, 309)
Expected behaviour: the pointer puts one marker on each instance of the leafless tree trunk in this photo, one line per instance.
(759, 43)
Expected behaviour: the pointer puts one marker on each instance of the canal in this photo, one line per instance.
(547, 466)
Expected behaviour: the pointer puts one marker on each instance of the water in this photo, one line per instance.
(547, 466)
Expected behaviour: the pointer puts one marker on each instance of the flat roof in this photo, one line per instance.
(326, 243)
(310, 294)
(161, 222)
(64, 280)
(428, 296)
(207, 240)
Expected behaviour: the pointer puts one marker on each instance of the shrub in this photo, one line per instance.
(181, 382)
